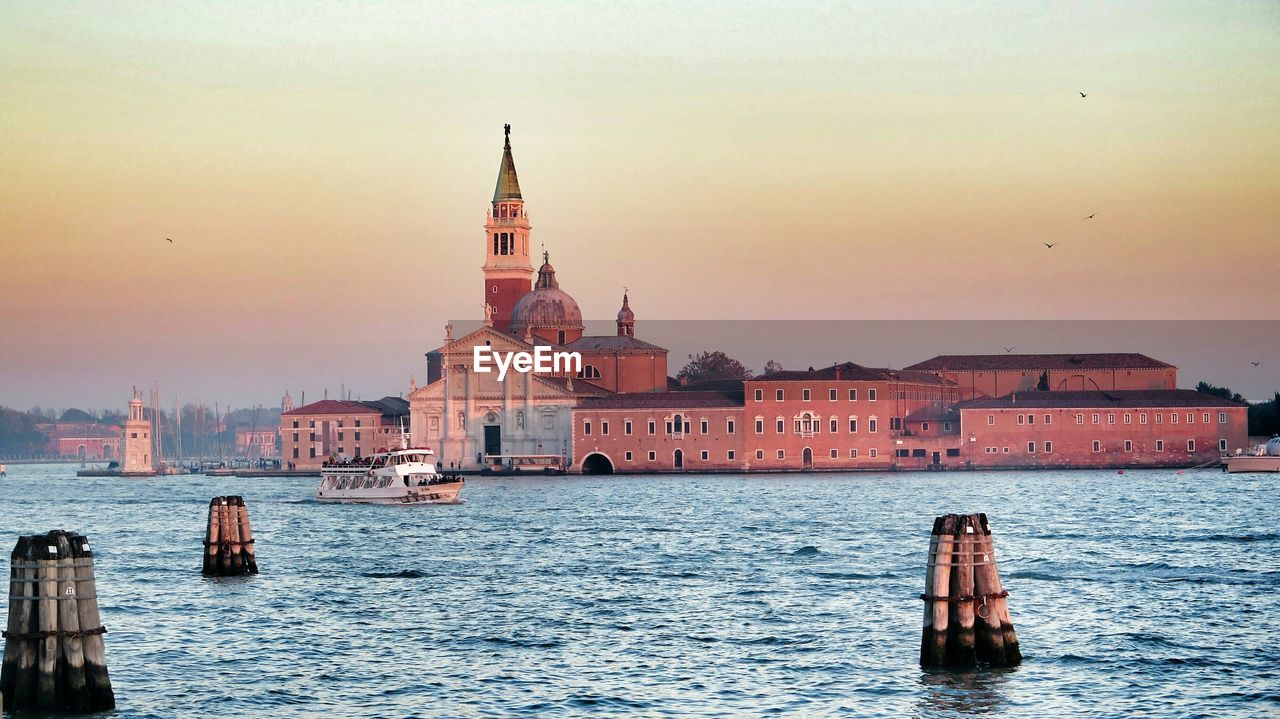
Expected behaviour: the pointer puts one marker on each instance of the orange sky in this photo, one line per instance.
(324, 173)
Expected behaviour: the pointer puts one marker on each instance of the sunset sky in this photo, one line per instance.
(324, 169)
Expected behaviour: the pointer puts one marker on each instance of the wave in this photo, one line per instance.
(807, 550)
(401, 574)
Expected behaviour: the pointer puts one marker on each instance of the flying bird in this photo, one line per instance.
(1083, 95)
(1255, 364)
(1010, 349)
(170, 241)
(1050, 244)
(1090, 217)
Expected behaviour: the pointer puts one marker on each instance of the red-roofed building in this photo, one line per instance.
(312, 433)
(997, 375)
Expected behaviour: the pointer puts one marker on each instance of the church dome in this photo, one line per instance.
(547, 308)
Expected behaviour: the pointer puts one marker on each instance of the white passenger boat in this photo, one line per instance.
(403, 476)
(1263, 458)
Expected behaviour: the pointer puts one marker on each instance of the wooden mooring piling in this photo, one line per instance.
(54, 656)
(228, 542)
(966, 614)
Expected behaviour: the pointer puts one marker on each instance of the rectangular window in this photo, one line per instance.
(835, 453)
(357, 435)
(1205, 418)
(1048, 419)
(340, 435)
(1128, 445)
(903, 452)
(1079, 419)
(1222, 445)
(1111, 418)
(653, 427)
(1142, 418)
(871, 425)
(342, 450)
(313, 452)
(730, 426)
(653, 456)
(778, 396)
(759, 395)
(831, 395)
(1048, 447)
(1173, 418)
(853, 425)
(295, 436)
(805, 395)
(1031, 447)
(780, 428)
(295, 424)
(1191, 418)
(295, 452)
(991, 419)
(604, 427)
(1031, 419)
(1159, 418)
(704, 455)
(759, 426)
(946, 426)
(782, 454)
(1128, 418)
(1191, 445)
(853, 394)
(1005, 450)
(626, 427)
(313, 436)
(729, 455)
(1159, 445)
(1097, 446)
(357, 423)
(873, 453)
(669, 427)
(702, 426)
(924, 426)
(1222, 418)
(759, 454)
(835, 425)
(1095, 417)
(953, 451)
(853, 454)
(586, 427)
(627, 456)
(871, 395)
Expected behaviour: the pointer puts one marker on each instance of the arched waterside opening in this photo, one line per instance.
(596, 463)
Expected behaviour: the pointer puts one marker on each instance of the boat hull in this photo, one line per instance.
(441, 493)
(1248, 463)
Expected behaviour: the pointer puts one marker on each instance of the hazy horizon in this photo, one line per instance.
(323, 171)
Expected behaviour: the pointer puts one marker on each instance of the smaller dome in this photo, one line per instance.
(547, 307)
(625, 314)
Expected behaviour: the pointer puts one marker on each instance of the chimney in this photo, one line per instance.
(837, 371)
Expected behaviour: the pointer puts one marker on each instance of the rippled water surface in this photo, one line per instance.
(1143, 594)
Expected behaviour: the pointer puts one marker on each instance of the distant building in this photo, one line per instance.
(998, 375)
(313, 433)
(136, 459)
(1122, 428)
(78, 435)
(257, 443)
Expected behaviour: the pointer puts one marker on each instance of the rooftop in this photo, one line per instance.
(1092, 399)
(387, 406)
(1103, 360)
(665, 400)
(850, 371)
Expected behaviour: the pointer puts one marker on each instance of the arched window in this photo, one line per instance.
(589, 372)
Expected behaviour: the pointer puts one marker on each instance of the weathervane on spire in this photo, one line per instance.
(506, 134)
(546, 256)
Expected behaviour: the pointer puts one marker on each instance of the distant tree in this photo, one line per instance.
(1043, 384)
(1264, 417)
(18, 434)
(1223, 392)
(772, 366)
(712, 365)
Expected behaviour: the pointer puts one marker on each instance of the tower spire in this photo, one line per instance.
(508, 187)
(508, 272)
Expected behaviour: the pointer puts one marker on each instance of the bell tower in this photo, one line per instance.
(508, 273)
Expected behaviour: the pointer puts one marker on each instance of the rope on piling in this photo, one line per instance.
(76, 634)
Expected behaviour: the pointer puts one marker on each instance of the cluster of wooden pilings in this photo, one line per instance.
(54, 655)
(228, 542)
(966, 614)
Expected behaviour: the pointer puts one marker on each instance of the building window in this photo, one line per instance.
(730, 426)
(1128, 445)
(1205, 418)
(835, 425)
(759, 425)
(313, 452)
(805, 395)
(1191, 445)
(604, 427)
(759, 395)
(295, 452)
(835, 453)
(1128, 418)
(1048, 419)
(1159, 445)
(1142, 418)
(991, 419)
(873, 453)
(560, 337)
(946, 426)
(903, 453)
(586, 426)
(1173, 418)
(1111, 418)
(1021, 419)
(853, 394)
(760, 454)
(782, 454)
(924, 426)
(340, 434)
(1191, 418)
(871, 395)
(1048, 447)
(1031, 447)
(702, 427)
(1031, 419)
(1222, 445)
(781, 426)
(295, 436)
(588, 372)
(831, 395)
(1222, 418)
(626, 427)
(313, 436)
(669, 427)
(853, 425)
(1079, 419)
(295, 424)
(704, 455)
(357, 435)
(627, 456)
(729, 455)
(853, 454)
(1095, 417)
(653, 456)
(778, 396)
(871, 425)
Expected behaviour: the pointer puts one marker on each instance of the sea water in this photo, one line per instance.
(1143, 594)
